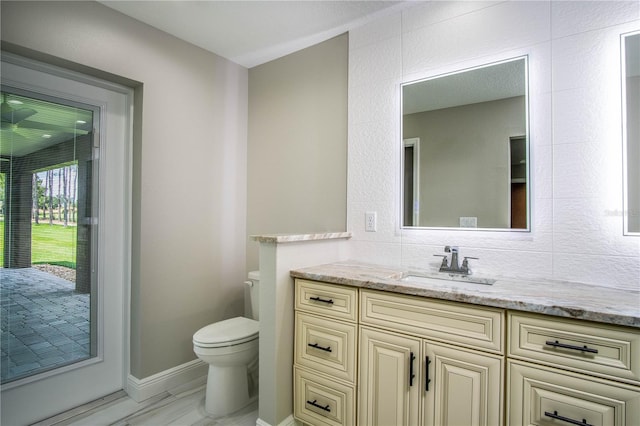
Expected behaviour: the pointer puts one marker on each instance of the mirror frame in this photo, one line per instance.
(527, 136)
(625, 139)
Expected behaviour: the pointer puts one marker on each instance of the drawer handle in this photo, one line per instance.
(412, 358)
(427, 380)
(584, 348)
(317, 346)
(555, 415)
(318, 299)
(315, 404)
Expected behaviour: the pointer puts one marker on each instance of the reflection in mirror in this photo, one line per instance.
(631, 130)
(465, 158)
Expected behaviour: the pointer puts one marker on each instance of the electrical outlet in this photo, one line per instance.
(370, 222)
(468, 222)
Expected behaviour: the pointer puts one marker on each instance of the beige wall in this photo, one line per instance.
(297, 155)
(465, 161)
(189, 229)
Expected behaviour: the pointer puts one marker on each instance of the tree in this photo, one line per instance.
(58, 197)
(34, 198)
(50, 185)
(42, 196)
(74, 184)
(64, 194)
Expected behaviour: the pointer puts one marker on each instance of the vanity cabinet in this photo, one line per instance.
(564, 371)
(325, 353)
(414, 368)
(368, 357)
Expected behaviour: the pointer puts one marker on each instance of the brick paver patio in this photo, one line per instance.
(44, 323)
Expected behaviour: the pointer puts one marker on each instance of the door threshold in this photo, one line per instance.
(82, 410)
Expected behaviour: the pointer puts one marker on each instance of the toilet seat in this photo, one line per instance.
(230, 332)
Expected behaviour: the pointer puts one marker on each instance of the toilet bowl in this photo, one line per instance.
(229, 347)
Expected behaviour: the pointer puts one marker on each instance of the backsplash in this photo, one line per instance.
(575, 134)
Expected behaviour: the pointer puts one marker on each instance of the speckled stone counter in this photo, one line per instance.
(559, 298)
(293, 238)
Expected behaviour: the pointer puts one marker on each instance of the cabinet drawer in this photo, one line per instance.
(546, 396)
(322, 401)
(608, 351)
(325, 345)
(475, 327)
(336, 301)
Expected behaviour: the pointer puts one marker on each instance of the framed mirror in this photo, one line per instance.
(465, 149)
(631, 131)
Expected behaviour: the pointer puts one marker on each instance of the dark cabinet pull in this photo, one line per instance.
(412, 358)
(426, 374)
(318, 299)
(584, 348)
(315, 345)
(315, 404)
(555, 415)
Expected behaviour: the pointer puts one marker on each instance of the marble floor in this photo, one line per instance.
(182, 406)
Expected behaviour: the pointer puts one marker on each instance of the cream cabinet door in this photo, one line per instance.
(389, 379)
(462, 387)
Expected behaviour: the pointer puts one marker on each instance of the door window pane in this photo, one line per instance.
(47, 295)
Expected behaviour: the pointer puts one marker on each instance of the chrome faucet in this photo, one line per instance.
(454, 256)
(454, 268)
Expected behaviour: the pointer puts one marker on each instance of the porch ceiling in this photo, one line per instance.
(29, 125)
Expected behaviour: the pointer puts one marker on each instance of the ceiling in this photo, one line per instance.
(246, 32)
(254, 32)
(483, 84)
(29, 125)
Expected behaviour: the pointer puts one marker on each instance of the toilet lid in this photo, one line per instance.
(227, 333)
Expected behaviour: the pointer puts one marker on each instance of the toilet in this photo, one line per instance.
(229, 347)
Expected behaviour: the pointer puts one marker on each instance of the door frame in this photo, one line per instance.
(116, 249)
(413, 143)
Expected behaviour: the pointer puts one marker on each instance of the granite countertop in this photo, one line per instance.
(293, 238)
(559, 298)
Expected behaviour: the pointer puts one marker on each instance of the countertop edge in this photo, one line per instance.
(388, 281)
(292, 238)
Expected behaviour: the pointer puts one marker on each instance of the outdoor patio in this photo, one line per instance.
(44, 323)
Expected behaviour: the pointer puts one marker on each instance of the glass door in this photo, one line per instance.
(64, 239)
(47, 289)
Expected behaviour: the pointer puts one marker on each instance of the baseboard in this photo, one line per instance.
(141, 389)
(289, 421)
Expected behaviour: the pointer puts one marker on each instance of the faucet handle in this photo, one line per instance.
(444, 263)
(465, 263)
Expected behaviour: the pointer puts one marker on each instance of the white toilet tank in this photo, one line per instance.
(254, 290)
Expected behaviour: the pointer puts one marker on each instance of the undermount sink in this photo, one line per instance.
(425, 278)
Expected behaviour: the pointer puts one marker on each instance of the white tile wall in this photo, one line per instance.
(573, 17)
(575, 129)
(485, 32)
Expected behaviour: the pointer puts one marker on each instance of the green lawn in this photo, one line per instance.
(53, 244)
